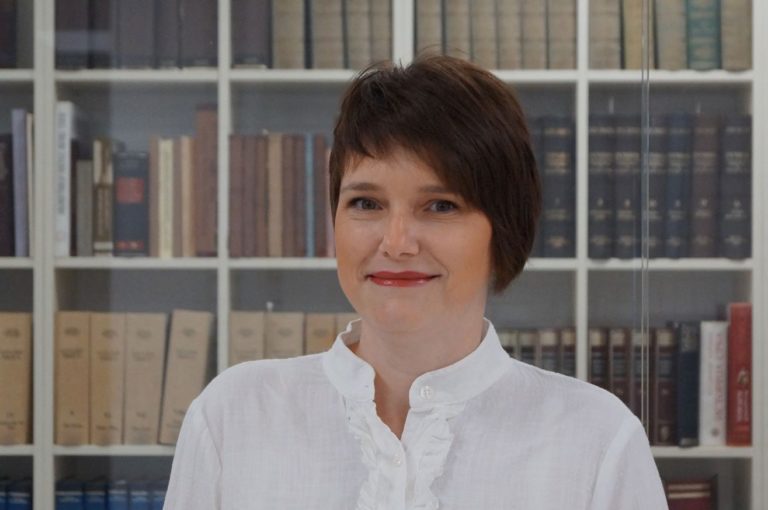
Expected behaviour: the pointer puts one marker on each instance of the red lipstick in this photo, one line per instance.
(401, 279)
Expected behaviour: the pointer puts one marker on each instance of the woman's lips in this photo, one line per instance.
(406, 279)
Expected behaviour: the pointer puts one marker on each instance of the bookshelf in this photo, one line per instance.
(584, 292)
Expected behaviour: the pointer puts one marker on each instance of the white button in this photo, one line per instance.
(426, 392)
(397, 460)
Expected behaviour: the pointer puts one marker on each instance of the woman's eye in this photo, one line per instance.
(362, 203)
(443, 206)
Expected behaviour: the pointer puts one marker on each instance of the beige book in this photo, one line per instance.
(154, 196)
(145, 335)
(484, 40)
(358, 33)
(671, 28)
(561, 34)
(107, 388)
(15, 378)
(320, 332)
(246, 336)
(632, 30)
(165, 195)
(343, 320)
(284, 336)
(510, 33)
(187, 198)
(534, 28)
(457, 29)
(84, 208)
(288, 34)
(736, 34)
(429, 26)
(103, 176)
(381, 31)
(327, 34)
(72, 378)
(275, 186)
(605, 34)
(186, 368)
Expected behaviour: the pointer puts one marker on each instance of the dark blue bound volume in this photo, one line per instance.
(199, 33)
(96, 494)
(103, 36)
(251, 33)
(117, 495)
(627, 187)
(167, 33)
(72, 34)
(131, 199)
(558, 183)
(8, 48)
(689, 351)
(139, 495)
(19, 495)
(69, 494)
(704, 177)
(4, 484)
(157, 494)
(676, 226)
(602, 139)
(736, 188)
(136, 35)
(657, 184)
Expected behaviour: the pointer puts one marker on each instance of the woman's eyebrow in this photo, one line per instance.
(369, 186)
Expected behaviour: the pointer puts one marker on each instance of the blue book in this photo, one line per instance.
(69, 494)
(688, 370)
(20, 495)
(139, 495)
(117, 495)
(157, 494)
(96, 494)
(4, 483)
(678, 184)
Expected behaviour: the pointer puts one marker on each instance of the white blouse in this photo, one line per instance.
(487, 432)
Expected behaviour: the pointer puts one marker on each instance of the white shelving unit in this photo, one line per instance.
(565, 290)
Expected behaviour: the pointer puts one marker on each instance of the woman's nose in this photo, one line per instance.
(399, 236)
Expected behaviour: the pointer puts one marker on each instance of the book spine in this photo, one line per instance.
(458, 34)
(117, 495)
(527, 342)
(199, 33)
(671, 29)
(167, 33)
(236, 194)
(688, 383)
(736, 34)
(704, 186)
(326, 18)
(131, 199)
(677, 221)
(251, 33)
(263, 194)
(8, 35)
(165, 197)
(735, 188)
(604, 34)
(275, 203)
(251, 193)
(15, 378)
(103, 33)
(657, 181)
(639, 369)
(206, 181)
(138, 495)
(320, 332)
(21, 188)
(153, 189)
(561, 34)
(483, 15)
(289, 196)
(72, 377)
(84, 206)
(64, 136)
(322, 194)
(598, 358)
(509, 30)
(739, 390)
(627, 188)
(534, 33)
(619, 359)
(703, 29)
(549, 346)
(632, 37)
(713, 383)
(6, 197)
(107, 380)
(72, 34)
(429, 26)
(103, 175)
(602, 138)
(558, 183)
(288, 39)
(381, 31)
(357, 33)
(664, 399)
(567, 362)
(284, 336)
(311, 204)
(246, 336)
(300, 196)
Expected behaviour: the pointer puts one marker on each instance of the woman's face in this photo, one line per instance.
(394, 216)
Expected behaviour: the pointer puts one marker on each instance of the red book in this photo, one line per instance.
(739, 425)
(690, 495)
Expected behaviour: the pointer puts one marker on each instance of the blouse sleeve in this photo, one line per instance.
(627, 478)
(196, 469)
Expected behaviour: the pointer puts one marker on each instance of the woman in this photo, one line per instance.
(435, 197)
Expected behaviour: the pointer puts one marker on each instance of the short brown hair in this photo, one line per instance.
(467, 125)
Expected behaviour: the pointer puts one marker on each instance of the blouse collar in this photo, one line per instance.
(468, 377)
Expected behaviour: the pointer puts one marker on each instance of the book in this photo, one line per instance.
(713, 363)
(527, 341)
(627, 187)
(145, 342)
(321, 209)
(602, 139)
(161, 207)
(95, 494)
(289, 200)
(736, 34)
(275, 186)
(158, 489)
(255, 196)
(288, 34)
(598, 358)
(663, 388)
(72, 378)
(103, 34)
(20, 495)
(381, 31)
(605, 34)
(639, 372)
(131, 203)
(84, 208)
(22, 173)
(320, 332)
(558, 184)
(510, 34)
(533, 20)
(561, 34)
(688, 366)
(429, 26)
(139, 495)
(739, 370)
(198, 38)
(672, 40)
(236, 195)
(103, 197)
(72, 34)
(691, 494)
(510, 342)
(107, 379)
(457, 30)
(619, 364)
(69, 494)
(15, 378)
(186, 368)
(184, 214)
(251, 33)
(246, 336)
(704, 185)
(735, 195)
(632, 34)
(703, 29)
(7, 237)
(657, 182)
(136, 34)
(205, 180)
(358, 33)
(117, 494)
(284, 334)
(567, 353)
(68, 130)
(167, 33)
(484, 34)
(327, 34)
(548, 349)
(8, 34)
(677, 221)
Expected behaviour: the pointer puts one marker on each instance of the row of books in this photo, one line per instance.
(699, 384)
(500, 34)
(114, 494)
(110, 201)
(682, 34)
(289, 34)
(16, 494)
(691, 494)
(547, 348)
(698, 193)
(16, 183)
